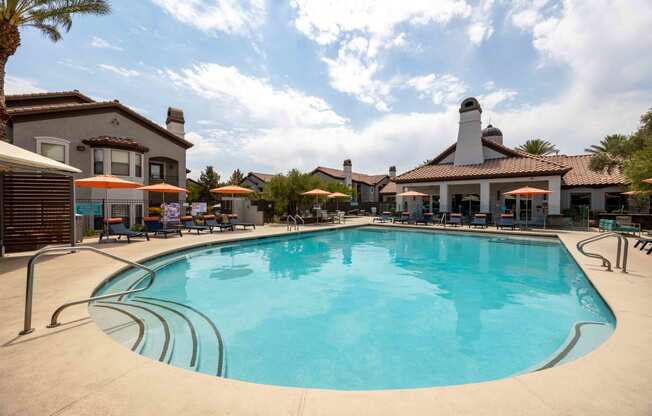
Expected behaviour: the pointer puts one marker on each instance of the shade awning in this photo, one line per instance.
(106, 182)
(14, 157)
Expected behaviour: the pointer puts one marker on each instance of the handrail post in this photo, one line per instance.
(618, 251)
(625, 255)
(29, 291)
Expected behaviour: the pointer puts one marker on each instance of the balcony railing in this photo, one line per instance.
(171, 180)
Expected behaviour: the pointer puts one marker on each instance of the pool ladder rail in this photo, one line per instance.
(623, 247)
(54, 321)
(293, 222)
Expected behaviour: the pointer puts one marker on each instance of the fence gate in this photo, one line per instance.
(36, 209)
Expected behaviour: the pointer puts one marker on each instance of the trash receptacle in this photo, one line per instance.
(79, 228)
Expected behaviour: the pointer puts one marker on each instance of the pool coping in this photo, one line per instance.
(614, 378)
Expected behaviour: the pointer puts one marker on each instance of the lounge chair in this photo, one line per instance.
(428, 218)
(117, 227)
(454, 219)
(187, 223)
(155, 226)
(506, 221)
(613, 226)
(403, 219)
(382, 218)
(479, 220)
(233, 221)
(644, 241)
(211, 223)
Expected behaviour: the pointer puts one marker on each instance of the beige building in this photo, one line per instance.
(367, 187)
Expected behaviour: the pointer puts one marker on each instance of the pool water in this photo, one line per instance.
(378, 308)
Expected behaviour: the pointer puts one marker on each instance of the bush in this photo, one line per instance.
(89, 232)
(137, 227)
(154, 211)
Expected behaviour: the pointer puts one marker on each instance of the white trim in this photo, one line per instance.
(54, 140)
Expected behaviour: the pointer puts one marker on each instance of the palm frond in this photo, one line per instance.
(48, 30)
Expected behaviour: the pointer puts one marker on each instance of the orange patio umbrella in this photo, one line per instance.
(106, 182)
(338, 195)
(635, 192)
(411, 193)
(163, 188)
(233, 190)
(528, 191)
(649, 180)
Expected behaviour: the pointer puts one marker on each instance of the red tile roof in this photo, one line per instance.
(581, 175)
(357, 177)
(389, 188)
(45, 95)
(265, 177)
(114, 105)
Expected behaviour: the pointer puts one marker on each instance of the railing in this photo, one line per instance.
(27, 325)
(169, 179)
(299, 218)
(622, 241)
(294, 220)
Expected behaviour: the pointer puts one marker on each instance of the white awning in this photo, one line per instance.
(14, 157)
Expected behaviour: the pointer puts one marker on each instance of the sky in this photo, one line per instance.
(267, 86)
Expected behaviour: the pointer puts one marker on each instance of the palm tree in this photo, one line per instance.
(538, 147)
(48, 16)
(610, 153)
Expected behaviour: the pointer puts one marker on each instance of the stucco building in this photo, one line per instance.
(474, 173)
(367, 187)
(103, 138)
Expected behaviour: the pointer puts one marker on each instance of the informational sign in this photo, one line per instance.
(198, 208)
(89, 208)
(171, 211)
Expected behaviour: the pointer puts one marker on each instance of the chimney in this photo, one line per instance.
(493, 134)
(175, 122)
(469, 143)
(348, 173)
(392, 172)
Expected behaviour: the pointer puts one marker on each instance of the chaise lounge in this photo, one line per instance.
(426, 219)
(233, 221)
(454, 219)
(382, 218)
(506, 221)
(644, 241)
(155, 226)
(117, 227)
(479, 220)
(211, 223)
(187, 223)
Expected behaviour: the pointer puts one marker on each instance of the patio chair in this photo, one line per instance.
(403, 219)
(155, 226)
(644, 241)
(428, 218)
(479, 220)
(613, 226)
(506, 221)
(233, 221)
(187, 223)
(117, 227)
(454, 219)
(382, 218)
(211, 223)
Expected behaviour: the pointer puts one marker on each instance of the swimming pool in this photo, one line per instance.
(362, 309)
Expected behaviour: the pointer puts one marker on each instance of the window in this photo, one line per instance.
(155, 171)
(53, 148)
(98, 161)
(119, 162)
(54, 151)
(615, 202)
(138, 165)
(580, 201)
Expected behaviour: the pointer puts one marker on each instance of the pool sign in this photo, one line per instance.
(89, 208)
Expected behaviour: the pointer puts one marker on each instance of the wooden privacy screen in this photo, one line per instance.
(36, 210)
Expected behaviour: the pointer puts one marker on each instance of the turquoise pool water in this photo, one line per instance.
(370, 308)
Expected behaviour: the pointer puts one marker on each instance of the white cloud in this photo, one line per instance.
(118, 70)
(229, 16)
(16, 85)
(481, 27)
(97, 42)
(254, 99)
(442, 89)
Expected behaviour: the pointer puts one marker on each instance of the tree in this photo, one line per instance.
(538, 147)
(236, 177)
(48, 16)
(209, 179)
(610, 154)
(631, 154)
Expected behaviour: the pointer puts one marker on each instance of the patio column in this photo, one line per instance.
(443, 197)
(485, 197)
(554, 199)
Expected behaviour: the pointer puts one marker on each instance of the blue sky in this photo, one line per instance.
(271, 85)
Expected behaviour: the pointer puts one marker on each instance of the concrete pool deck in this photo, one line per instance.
(76, 369)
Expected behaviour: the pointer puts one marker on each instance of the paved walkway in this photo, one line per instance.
(77, 370)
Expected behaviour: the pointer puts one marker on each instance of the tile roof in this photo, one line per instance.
(55, 94)
(581, 175)
(357, 177)
(115, 105)
(116, 143)
(389, 188)
(265, 177)
(493, 168)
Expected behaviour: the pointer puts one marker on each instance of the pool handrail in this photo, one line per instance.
(29, 291)
(622, 240)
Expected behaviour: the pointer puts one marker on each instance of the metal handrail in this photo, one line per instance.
(294, 220)
(27, 326)
(300, 218)
(622, 241)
